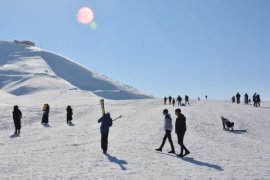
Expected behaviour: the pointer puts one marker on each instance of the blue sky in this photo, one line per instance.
(194, 47)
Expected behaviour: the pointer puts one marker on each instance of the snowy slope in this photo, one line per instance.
(73, 152)
(27, 70)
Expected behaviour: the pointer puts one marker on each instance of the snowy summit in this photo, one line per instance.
(28, 70)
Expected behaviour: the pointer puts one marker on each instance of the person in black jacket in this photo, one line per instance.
(106, 123)
(179, 100)
(165, 100)
(238, 96)
(45, 117)
(69, 114)
(17, 116)
(180, 130)
(186, 100)
(170, 100)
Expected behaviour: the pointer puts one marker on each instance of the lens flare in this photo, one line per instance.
(85, 15)
(93, 25)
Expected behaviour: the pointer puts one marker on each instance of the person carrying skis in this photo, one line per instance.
(238, 96)
(69, 114)
(106, 123)
(17, 116)
(179, 100)
(45, 117)
(186, 100)
(168, 129)
(173, 102)
(180, 130)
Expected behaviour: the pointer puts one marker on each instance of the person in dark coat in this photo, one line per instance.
(45, 117)
(227, 125)
(233, 99)
(17, 116)
(255, 99)
(168, 129)
(186, 100)
(69, 114)
(170, 100)
(173, 102)
(238, 96)
(246, 98)
(180, 130)
(165, 100)
(106, 123)
(206, 97)
(258, 100)
(179, 100)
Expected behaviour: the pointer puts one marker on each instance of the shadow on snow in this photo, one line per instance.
(200, 163)
(14, 135)
(121, 163)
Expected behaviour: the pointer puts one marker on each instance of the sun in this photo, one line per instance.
(85, 15)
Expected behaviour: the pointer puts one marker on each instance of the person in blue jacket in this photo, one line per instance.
(106, 123)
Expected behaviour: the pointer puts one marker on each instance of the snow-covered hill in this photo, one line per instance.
(73, 152)
(28, 70)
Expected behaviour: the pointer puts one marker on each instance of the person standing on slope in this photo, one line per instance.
(170, 100)
(168, 129)
(258, 100)
(165, 100)
(69, 114)
(186, 100)
(17, 116)
(238, 96)
(179, 100)
(180, 130)
(173, 102)
(45, 117)
(106, 123)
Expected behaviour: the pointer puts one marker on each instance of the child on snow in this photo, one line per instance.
(227, 125)
(17, 116)
(69, 114)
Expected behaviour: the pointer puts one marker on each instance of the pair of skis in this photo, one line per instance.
(102, 103)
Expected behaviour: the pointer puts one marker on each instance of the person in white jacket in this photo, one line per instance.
(168, 127)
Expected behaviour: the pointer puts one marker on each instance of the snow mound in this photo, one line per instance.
(28, 70)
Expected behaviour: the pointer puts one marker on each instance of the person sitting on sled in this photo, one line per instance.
(227, 125)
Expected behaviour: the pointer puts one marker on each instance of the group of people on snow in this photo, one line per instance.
(180, 130)
(178, 100)
(247, 100)
(17, 116)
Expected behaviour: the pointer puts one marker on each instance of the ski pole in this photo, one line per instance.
(118, 118)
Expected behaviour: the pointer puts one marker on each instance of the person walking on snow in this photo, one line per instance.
(17, 116)
(106, 123)
(170, 100)
(180, 130)
(173, 102)
(165, 100)
(69, 114)
(179, 100)
(45, 117)
(186, 100)
(238, 96)
(168, 129)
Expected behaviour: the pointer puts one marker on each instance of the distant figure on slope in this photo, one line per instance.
(170, 100)
(106, 123)
(180, 130)
(173, 102)
(199, 98)
(238, 96)
(45, 117)
(258, 100)
(168, 129)
(246, 98)
(186, 100)
(206, 97)
(17, 116)
(233, 99)
(165, 100)
(179, 100)
(69, 114)
(227, 125)
(255, 99)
